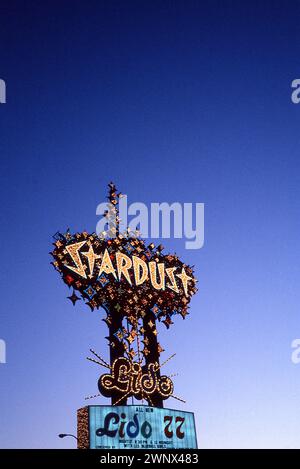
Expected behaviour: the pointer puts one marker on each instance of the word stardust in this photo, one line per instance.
(124, 264)
(125, 275)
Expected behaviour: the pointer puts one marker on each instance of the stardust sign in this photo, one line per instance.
(136, 286)
(124, 264)
(135, 427)
(124, 274)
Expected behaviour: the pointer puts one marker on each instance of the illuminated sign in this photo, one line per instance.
(124, 271)
(127, 377)
(138, 286)
(124, 264)
(135, 427)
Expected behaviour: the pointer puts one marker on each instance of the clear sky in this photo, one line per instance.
(182, 101)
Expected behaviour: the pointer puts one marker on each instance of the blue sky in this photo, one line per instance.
(174, 101)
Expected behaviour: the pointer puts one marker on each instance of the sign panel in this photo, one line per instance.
(140, 427)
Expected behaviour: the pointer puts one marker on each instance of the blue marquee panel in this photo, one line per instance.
(140, 427)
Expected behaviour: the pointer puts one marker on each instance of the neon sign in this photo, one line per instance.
(141, 269)
(129, 379)
(138, 286)
(102, 272)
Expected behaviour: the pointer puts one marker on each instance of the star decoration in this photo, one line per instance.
(132, 319)
(168, 321)
(183, 313)
(74, 298)
(130, 339)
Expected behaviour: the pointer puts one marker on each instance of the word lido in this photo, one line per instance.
(115, 424)
(128, 378)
